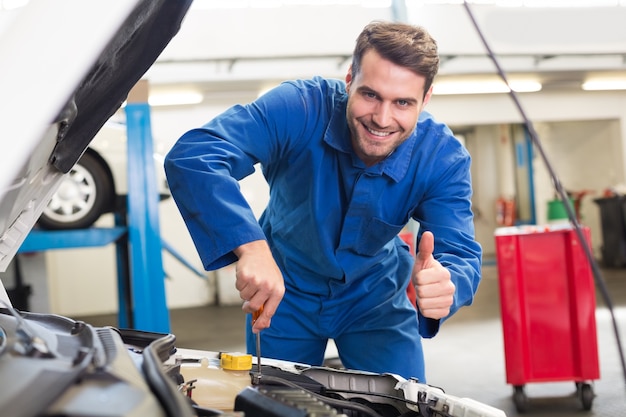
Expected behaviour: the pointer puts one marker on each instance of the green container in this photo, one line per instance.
(557, 211)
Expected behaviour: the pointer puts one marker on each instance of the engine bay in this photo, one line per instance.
(61, 367)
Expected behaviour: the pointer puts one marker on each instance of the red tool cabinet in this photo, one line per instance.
(547, 302)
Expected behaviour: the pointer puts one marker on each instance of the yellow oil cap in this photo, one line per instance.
(236, 361)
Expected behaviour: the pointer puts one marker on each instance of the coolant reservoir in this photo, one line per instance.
(218, 380)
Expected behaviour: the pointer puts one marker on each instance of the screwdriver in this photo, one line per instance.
(256, 378)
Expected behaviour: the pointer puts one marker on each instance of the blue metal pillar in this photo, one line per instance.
(531, 176)
(124, 302)
(149, 305)
(398, 11)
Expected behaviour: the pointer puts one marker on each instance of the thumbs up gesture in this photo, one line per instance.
(433, 286)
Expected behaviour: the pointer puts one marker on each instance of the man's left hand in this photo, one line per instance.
(433, 285)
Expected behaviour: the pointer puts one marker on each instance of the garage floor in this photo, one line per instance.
(466, 359)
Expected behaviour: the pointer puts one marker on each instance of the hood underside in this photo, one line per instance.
(67, 78)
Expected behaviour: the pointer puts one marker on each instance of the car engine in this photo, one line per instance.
(52, 365)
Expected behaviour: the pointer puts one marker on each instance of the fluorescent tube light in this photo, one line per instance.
(604, 84)
(175, 98)
(484, 87)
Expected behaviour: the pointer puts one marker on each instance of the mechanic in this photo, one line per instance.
(348, 165)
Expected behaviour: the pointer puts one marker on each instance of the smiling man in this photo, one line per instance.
(384, 103)
(348, 165)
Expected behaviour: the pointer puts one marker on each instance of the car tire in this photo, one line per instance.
(84, 195)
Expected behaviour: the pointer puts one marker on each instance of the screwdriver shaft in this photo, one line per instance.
(258, 353)
(255, 316)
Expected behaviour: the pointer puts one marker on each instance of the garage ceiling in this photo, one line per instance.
(223, 52)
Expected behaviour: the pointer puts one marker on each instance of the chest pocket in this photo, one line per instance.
(374, 235)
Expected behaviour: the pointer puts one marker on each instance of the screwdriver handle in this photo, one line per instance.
(256, 314)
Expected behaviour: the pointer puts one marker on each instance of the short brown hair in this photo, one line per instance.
(405, 45)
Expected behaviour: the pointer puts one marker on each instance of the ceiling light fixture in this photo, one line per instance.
(238, 4)
(604, 84)
(12, 4)
(484, 87)
(175, 98)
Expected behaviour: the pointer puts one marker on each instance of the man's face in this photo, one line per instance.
(384, 102)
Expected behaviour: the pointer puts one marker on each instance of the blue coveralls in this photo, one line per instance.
(331, 222)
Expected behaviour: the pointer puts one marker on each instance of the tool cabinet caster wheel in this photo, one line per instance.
(520, 399)
(586, 396)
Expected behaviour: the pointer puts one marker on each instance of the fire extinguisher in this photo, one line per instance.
(500, 211)
(509, 212)
(505, 211)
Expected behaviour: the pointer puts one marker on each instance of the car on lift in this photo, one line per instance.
(97, 184)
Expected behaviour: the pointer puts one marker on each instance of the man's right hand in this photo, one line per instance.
(259, 281)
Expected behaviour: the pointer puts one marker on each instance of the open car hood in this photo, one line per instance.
(72, 65)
